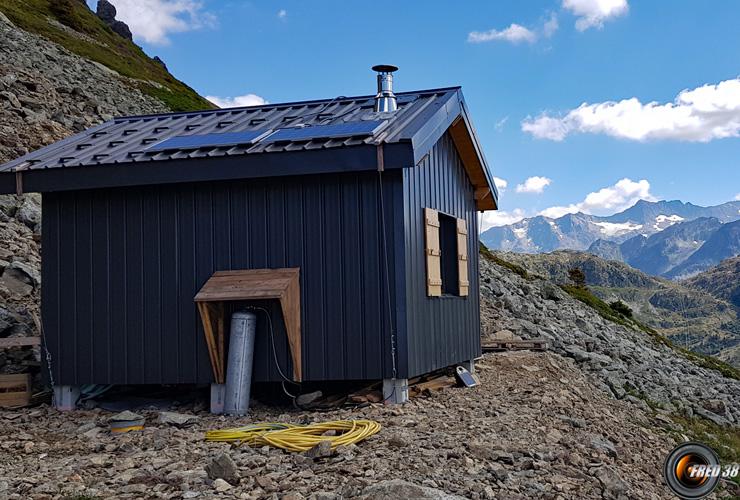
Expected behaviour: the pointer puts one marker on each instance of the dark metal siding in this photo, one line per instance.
(121, 268)
(441, 331)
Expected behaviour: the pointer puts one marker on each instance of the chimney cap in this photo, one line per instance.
(384, 68)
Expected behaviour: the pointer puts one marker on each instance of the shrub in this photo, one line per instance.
(621, 308)
(577, 277)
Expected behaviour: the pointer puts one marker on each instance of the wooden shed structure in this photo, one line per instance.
(375, 211)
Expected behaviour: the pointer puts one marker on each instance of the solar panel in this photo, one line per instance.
(207, 140)
(349, 129)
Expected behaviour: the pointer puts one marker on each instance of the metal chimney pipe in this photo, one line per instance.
(385, 101)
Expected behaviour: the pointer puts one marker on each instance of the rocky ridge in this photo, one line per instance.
(690, 316)
(46, 94)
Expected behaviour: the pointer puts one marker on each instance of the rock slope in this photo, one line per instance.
(46, 93)
(628, 364)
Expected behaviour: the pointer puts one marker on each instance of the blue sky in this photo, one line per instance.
(525, 68)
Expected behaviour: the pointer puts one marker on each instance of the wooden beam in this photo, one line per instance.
(472, 164)
(19, 342)
(245, 285)
(210, 341)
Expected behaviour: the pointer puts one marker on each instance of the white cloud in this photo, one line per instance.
(550, 26)
(501, 184)
(500, 218)
(697, 115)
(534, 184)
(515, 33)
(238, 101)
(282, 14)
(593, 13)
(737, 196)
(151, 21)
(499, 125)
(606, 201)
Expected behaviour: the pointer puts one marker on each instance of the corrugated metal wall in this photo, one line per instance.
(441, 331)
(121, 267)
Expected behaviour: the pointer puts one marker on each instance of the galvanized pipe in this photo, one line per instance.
(385, 100)
(241, 360)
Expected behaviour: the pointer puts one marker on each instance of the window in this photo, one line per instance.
(446, 254)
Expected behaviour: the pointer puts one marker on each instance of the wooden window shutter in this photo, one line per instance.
(462, 257)
(434, 271)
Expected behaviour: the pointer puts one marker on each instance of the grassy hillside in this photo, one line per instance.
(71, 24)
(689, 317)
(722, 281)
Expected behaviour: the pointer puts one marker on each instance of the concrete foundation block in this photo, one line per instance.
(218, 398)
(65, 397)
(395, 390)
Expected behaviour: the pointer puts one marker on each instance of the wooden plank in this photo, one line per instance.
(433, 252)
(515, 345)
(19, 342)
(220, 342)
(463, 284)
(244, 285)
(471, 163)
(15, 390)
(210, 341)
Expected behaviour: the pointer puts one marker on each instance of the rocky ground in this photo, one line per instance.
(628, 364)
(536, 428)
(46, 93)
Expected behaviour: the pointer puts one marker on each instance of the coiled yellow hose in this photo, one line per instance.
(294, 437)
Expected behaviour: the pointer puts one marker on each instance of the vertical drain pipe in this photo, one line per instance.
(239, 366)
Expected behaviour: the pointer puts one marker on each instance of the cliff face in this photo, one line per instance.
(46, 94)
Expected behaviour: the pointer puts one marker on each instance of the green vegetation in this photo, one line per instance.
(515, 268)
(606, 311)
(619, 316)
(577, 277)
(709, 362)
(725, 441)
(96, 41)
(621, 308)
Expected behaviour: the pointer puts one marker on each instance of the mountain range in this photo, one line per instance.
(673, 239)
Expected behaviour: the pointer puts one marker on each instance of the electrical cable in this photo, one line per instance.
(297, 438)
(387, 283)
(274, 350)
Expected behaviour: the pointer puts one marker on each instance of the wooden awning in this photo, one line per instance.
(243, 285)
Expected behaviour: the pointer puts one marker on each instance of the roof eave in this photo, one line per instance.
(259, 165)
(452, 115)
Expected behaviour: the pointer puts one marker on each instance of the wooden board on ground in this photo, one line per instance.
(515, 345)
(434, 384)
(19, 342)
(15, 390)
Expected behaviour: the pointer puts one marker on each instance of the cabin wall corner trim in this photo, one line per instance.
(441, 330)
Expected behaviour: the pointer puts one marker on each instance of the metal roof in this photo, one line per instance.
(321, 125)
(131, 139)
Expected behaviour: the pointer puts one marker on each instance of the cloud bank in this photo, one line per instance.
(705, 113)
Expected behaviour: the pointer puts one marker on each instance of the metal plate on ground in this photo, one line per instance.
(464, 376)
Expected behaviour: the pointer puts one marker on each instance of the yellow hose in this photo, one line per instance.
(293, 437)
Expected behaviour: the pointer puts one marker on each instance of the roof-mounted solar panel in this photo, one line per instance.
(208, 140)
(349, 129)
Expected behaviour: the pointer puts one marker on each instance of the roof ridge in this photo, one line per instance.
(278, 104)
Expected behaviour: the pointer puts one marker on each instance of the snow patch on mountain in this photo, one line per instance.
(664, 221)
(617, 228)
